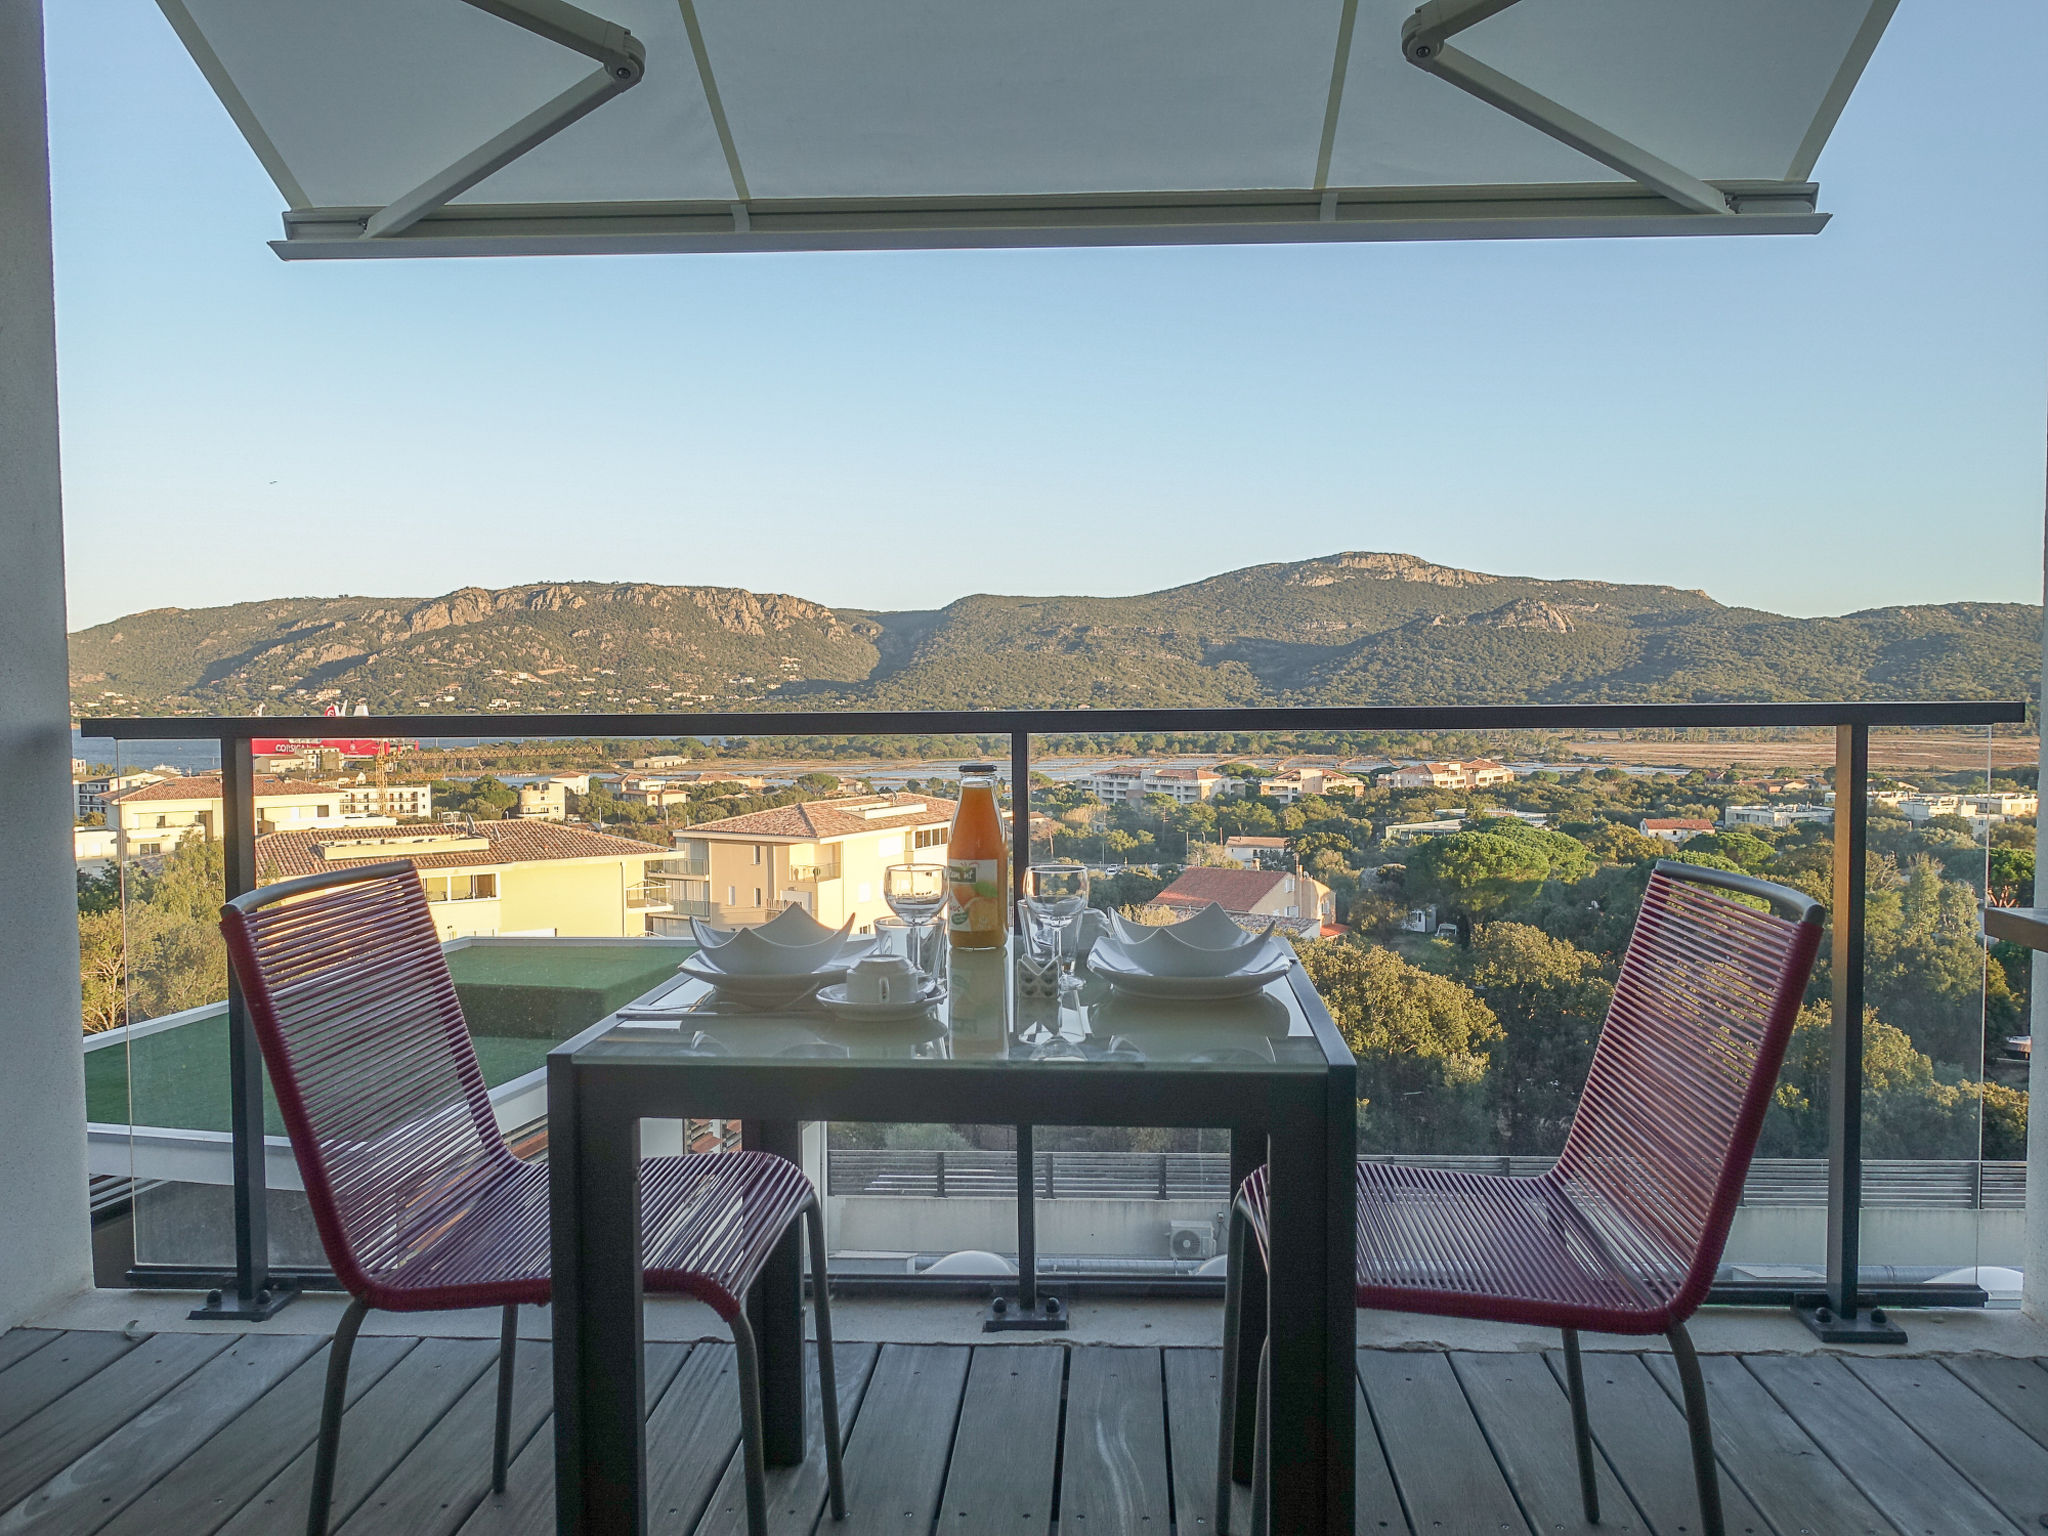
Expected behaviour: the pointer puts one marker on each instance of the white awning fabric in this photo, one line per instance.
(477, 127)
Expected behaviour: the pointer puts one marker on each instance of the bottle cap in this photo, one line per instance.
(966, 768)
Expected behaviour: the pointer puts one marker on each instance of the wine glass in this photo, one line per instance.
(917, 894)
(1056, 895)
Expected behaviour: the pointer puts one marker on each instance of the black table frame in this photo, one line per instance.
(1300, 1119)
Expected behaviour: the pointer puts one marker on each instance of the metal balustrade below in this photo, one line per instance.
(1891, 1183)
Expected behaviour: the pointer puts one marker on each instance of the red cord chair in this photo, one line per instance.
(1624, 1233)
(420, 1205)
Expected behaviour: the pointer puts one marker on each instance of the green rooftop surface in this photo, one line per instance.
(519, 1000)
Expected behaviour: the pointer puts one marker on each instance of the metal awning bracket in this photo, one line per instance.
(621, 61)
(1425, 39)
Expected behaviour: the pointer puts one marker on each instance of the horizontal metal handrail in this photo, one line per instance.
(1084, 722)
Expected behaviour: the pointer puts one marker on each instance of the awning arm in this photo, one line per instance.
(1424, 39)
(621, 62)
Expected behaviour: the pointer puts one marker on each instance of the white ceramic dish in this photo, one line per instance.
(794, 943)
(838, 1003)
(773, 986)
(1207, 944)
(1119, 972)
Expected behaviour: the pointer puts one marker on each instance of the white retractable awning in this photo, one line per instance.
(475, 127)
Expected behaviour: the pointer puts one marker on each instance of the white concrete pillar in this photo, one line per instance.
(45, 1243)
(2034, 1294)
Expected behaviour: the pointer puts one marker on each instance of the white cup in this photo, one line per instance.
(881, 979)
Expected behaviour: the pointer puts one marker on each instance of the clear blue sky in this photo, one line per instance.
(1803, 424)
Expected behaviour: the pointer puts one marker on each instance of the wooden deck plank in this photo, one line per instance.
(20, 1343)
(1442, 1464)
(97, 1486)
(2016, 1388)
(1378, 1502)
(376, 1433)
(527, 1506)
(1643, 1435)
(2007, 1466)
(1789, 1478)
(34, 1382)
(1897, 1470)
(692, 1434)
(1006, 1448)
(59, 1434)
(204, 1490)
(897, 1454)
(796, 1495)
(1527, 1418)
(448, 1473)
(1194, 1382)
(1113, 1475)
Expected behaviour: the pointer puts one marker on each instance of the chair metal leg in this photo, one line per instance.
(328, 1447)
(1262, 1457)
(508, 1352)
(1705, 1473)
(828, 1378)
(1226, 1416)
(753, 1455)
(1582, 1427)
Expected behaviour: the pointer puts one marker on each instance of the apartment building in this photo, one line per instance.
(643, 790)
(1251, 852)
(1476, 774)
(155, 818)
(1776, 817)
(1301, 904)
(394, 800)
(1129, 782)
(90, 794)
(495, 877)
(826, 856)
(1674, 829)
(1299, 783)
(545, 801)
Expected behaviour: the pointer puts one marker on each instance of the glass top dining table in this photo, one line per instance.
(1271, 1068)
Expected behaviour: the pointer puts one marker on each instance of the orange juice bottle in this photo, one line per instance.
(978, 864)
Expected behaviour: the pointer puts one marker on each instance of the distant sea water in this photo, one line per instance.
(204, 756)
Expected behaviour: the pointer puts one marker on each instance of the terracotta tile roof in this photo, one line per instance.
(815, 819)
(1255, 842)
(206, 786)
(286, 854)
(1676, 824)
(1235, 890)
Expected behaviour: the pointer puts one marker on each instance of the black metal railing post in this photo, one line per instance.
(256, 1294)
(1838, 1316)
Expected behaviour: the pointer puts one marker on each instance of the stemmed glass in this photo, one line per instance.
(1056, 895)
(917, 894)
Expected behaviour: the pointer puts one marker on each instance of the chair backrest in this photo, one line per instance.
(370, 1059)
(1685, 1069)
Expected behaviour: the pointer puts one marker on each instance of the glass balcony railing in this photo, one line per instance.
(1513, 972)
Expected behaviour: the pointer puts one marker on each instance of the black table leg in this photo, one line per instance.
(594, 1199)
(775, 1311)
(1247, 1153)
(1310, 1322)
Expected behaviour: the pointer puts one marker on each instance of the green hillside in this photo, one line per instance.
(1352, 628)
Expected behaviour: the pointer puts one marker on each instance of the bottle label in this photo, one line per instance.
(977, 895)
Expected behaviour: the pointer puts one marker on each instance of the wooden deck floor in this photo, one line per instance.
(193, 1434)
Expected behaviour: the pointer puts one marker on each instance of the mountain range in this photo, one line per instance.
(1351, 628)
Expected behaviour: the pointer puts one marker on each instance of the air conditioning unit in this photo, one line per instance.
(1191, 1239)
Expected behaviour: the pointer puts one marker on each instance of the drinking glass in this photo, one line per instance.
(917, 894)
(1056, 895)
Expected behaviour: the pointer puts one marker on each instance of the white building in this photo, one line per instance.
(1476, 774)
(1245, 852)
(1776, 817)
(545, 801)
(2003, 803)
(1129, 782)
(380, 800)
(1675, 829)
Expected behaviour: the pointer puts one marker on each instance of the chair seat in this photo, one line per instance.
(708, 1224)
(1534, 1250)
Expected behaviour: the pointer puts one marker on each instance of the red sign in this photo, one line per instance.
(289, 746)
